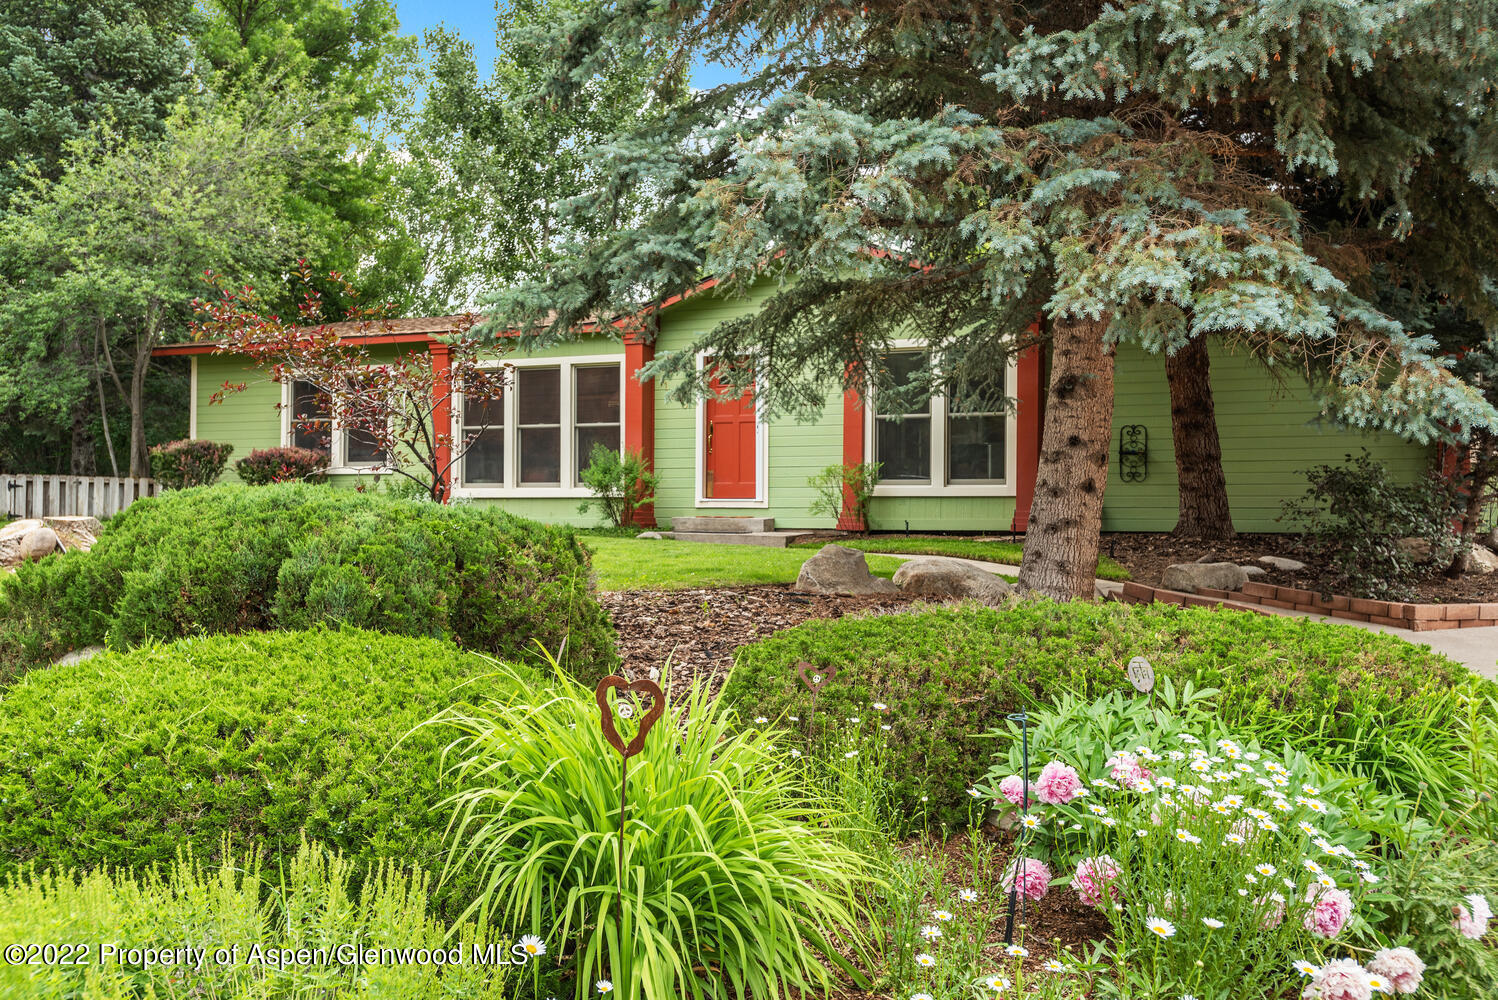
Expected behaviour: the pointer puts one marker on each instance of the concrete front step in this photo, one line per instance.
(722, 525)
(771, 539)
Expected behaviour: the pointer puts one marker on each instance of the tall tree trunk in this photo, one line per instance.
(140, 460)
(1066, 515)
(1203, 489)
(1481, 460)
(81, 440)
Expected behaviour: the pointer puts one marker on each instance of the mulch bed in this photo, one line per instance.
(1146, 554)
(695, 633)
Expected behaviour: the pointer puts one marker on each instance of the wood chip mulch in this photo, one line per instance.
(1146, 554)
(695, 633)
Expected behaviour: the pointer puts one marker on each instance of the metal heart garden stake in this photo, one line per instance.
(611, 734)
(1016, 864)
(815, 678)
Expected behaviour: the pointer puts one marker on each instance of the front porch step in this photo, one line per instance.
(721, 525)
(771, 539)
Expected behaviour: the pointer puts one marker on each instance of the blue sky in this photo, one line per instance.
(474, 21)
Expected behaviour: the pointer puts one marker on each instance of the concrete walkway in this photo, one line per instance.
(1477, 648)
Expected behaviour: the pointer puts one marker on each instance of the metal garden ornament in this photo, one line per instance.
(626, 710)
(1017, 864)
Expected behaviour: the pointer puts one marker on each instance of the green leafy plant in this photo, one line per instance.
(268, 736)
(840, 489)
(1354, 516)
(735, 881)
(308, 900)
(1372, 705)
(283, 465)
(621, 482)
(292, 555)
(177, 465)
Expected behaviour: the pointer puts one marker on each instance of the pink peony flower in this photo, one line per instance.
(1472, 920)
(1401, 967)
(1013, 788)
(1339, 979)
(1126, 769)
(1034, 878)
(1329, 910)
(1058, 784)
(1093, 876)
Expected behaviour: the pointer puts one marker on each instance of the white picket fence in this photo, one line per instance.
(57, 496)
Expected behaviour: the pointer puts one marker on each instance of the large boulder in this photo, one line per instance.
(837, 569)
(936, 576)
(1415, 547)
(78, 533)
(26, 539)
(1481, 561)
(1280, 562)
(1191, 577)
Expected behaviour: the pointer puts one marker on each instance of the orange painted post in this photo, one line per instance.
(442, 415)
(639, 413)
(853, 454)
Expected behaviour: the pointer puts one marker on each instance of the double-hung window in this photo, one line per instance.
(937, 443)
(311, 423)
(539, 436)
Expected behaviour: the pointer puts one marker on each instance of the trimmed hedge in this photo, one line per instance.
(1372, 704)
(265, 738)
(237, 558)
(291, 464)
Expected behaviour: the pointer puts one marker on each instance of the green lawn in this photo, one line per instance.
(663, 564)
(964, 548)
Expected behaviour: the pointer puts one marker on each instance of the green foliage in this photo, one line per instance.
(839, 483)
(1414, 909)
(729, 862)
(283, 465)
(66, 66)
(1354, 515)
(620, 482)
(179, 464)
(306, 900)
(235, 558)
(264, 737)
(1372, 705)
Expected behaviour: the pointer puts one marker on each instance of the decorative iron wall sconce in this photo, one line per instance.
(1133, 453)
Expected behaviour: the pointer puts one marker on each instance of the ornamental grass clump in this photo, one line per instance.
(1216, 865)
(736, 882)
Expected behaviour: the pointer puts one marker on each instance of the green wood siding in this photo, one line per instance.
(248, 419)
(1270, 432)
(986, 514)
(796, 450)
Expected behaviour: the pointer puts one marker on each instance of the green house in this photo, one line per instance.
(942, 470)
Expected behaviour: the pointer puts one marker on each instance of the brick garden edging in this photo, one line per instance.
(1258, 596)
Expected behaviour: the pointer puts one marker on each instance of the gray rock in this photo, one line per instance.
(1481, 561)
(1280, 562)
(26, 539)
(937, 576)
(77, 533)
(1415, 547)
(837, 569)
(78, 655)
(1191, 576)
(1208, 558)
(1254, 572)
(649, 534)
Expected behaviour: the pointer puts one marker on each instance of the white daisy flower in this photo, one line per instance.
(1017, 951)
(1266, 869)
(968, 895)
(931, 932)
(760, 720)
(532, 945)
(975, 793)
(925, 961)
(941, 915)
(1160, 927)
(1030, 821)
(1213, 923)
(604, 986)
(996, 983)
(1379, 983)
(1305, 968)
(1052, 965)
(880, 706)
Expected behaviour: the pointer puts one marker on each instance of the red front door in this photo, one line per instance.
(730, 446)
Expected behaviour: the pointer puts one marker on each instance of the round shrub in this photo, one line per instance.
(264, 466)
(1371, 704)
(177, 465)
(264, 738)
(236, 558)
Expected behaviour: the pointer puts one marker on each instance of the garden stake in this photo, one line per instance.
(611, 734)
(815, 678)
(1019, 847)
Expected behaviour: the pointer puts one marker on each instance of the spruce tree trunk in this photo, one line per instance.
(1066, 515)
(1203, 489)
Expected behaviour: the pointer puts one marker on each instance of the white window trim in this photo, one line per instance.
(938, 486)
(338, 464)
(511, 486)
(761, 497)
